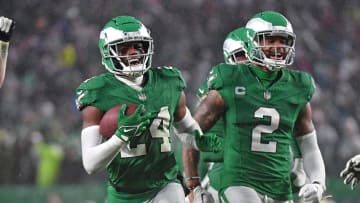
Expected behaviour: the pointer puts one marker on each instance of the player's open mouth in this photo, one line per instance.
(134, 61)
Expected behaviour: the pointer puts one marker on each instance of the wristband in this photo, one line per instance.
(193, 178)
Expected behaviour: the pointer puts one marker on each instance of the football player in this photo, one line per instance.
(234, 53)
(7, 26)
(138, 158)
(264, 104)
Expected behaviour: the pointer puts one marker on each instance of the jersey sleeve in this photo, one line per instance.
(202, 90)
(87, 92)
(182, 82)
(310, 85)
(174, 73)
(215, 80)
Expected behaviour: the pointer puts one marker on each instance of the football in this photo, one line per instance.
(108, 123)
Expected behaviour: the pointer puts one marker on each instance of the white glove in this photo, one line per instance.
(351, 173)
(312, 192)
(202, 196)
(299, 173)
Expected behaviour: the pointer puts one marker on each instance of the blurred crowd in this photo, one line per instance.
(54, 48)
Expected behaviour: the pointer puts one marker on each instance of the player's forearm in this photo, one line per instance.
(4, 46)
(96, 156)
(190, 163)
(313, 161)
(210, 110)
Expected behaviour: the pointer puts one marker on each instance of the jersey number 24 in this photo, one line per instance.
(159, 128)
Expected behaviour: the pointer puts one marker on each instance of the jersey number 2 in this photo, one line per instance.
(260, 130)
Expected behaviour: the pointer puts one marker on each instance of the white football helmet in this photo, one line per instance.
(269, 24)
(119, 32)
(234, 46)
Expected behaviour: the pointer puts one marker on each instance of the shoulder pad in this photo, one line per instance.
(86, 93)
(93, 82)
(168, 71)
(203, 89)
(302, 76)
(305, 80)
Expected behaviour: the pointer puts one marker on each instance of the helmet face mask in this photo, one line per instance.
(116, 38)
(265, 51)
(131, 65)
(237, 57)
(234, 46)
(232, 51)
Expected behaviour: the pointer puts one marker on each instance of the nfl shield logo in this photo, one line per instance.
(142, 96)
(267, 95)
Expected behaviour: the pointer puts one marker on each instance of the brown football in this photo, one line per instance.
(108, 123)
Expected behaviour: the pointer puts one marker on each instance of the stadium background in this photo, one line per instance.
(54, 48)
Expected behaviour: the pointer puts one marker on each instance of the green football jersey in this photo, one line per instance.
(295, 149)
(215, 175)
(148, 163)
(259, 126)
(218, 128)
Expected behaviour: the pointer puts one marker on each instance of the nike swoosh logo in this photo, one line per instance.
(127, 130)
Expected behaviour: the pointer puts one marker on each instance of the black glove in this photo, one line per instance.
(351, 173)
(7, 26)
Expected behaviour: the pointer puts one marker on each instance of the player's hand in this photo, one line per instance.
(200, 195)
(132, 125)
(6, 28)
(351, 173)
(297, 174)
(312, 192)
(208, 142)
